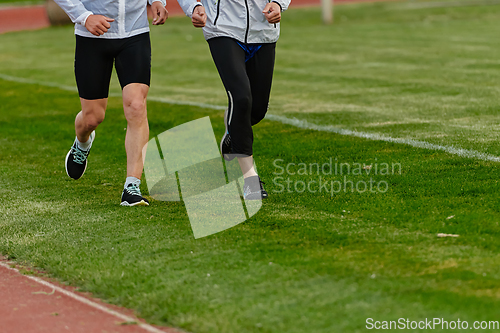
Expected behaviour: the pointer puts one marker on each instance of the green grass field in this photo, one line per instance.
(20, 2)
(306, 262)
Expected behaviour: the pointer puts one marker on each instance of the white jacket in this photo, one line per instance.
(239, 19)
(130, 16)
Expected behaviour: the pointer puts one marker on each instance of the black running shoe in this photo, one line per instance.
(262, 190)
(253, 189)
(225, 143)
(132, 196)
(76, 159)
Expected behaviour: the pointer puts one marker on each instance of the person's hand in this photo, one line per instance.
(97, 24)
(160, 13)
(199, 17)
(272, 12)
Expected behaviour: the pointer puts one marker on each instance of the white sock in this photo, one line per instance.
(250, 173)
(247, 166)
(84, 145)
(132, 180)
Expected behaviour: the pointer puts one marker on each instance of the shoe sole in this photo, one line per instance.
(86, 163)
(139, 203)
(253, 197)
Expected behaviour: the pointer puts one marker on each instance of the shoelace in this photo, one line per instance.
(79, 155)
(133, 189)
(261, 187)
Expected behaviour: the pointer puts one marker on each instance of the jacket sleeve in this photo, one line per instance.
(75, 10)
(283, 4)
(188, 6)
(163, 2)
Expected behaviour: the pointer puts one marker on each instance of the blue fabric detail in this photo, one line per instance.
(250, 50)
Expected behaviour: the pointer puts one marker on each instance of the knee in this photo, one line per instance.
(135, 109)
(94, 117)
(258, 114)
(243, 101)
(257, 118)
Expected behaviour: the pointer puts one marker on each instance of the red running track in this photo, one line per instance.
(27, 305)
(23, 18)
(35, 17)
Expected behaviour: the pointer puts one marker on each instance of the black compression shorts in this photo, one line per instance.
(94, 59)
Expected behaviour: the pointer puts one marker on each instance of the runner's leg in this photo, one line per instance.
(93, 67)
(260, 70)
(134, 106)
(229, 58)
(133, 66)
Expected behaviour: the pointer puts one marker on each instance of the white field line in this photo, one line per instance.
(74, 89)
(201, 105)
(86, 301)
(303, 124)
(40, 83)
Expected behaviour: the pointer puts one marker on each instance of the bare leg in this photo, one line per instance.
(246, 165)
(134, 106)
(87, 120)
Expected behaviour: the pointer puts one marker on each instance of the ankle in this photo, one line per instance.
(132, 180)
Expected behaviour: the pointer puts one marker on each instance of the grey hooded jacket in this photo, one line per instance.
(130, 15)
(239, 19)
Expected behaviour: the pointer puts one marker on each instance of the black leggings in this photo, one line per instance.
(248, 86)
